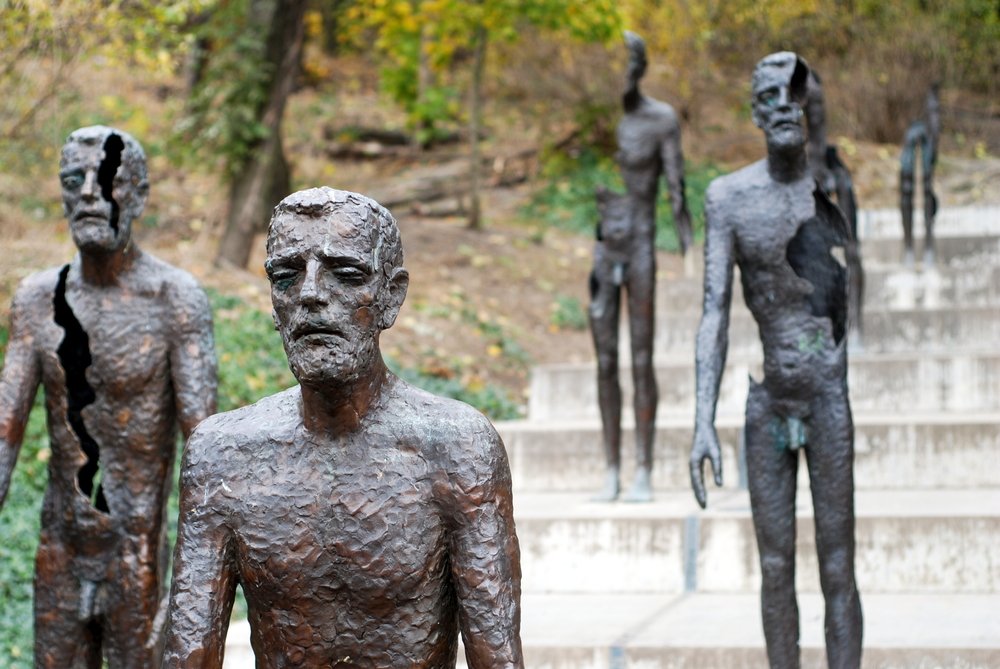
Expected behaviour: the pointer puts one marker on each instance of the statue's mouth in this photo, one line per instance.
(317, 330)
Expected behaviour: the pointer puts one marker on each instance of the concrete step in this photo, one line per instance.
(907, 541)
(885, 288)
(907, 382)
(952, 221)
(885, 331)
(723, 631)
(891, 451)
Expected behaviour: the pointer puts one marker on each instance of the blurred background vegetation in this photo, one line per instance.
(237, 102)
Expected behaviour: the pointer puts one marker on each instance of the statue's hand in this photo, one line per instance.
(706, 445)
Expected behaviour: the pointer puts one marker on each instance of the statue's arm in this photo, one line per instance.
(672, 156)
(192, 358)
(205, 576)
(485, 558)
(712, 341)
(18, 384)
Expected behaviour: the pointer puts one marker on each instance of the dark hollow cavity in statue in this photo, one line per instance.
(74, 356)
(113, 147)
(809, 254)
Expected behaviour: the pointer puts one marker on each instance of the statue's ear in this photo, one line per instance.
(395, 293)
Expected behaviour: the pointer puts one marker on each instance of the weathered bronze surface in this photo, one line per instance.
(922, 134)
(366, 520)
(122, 343)
(649, 146)
(773, 220)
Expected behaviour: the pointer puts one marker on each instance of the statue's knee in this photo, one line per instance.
(607, 364)
(778, 567)
(836, 572)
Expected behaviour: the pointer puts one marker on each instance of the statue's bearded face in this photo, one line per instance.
(779, 87)
(330, 295)
(102, 190)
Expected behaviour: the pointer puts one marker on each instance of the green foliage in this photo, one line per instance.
(222, 119)
(437, 34)
(566, 199)
(568, 313)
(491, 401)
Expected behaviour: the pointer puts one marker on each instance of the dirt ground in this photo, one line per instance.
(482, 305)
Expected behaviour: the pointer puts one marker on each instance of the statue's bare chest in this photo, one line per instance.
(339, 531)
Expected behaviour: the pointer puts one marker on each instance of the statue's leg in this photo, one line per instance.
(64, 639)
(906, 209)
(604, 309)
(855, 288)
(771, 470)
(132, 601)
(830, 456)
(641, 308)
(930, 201)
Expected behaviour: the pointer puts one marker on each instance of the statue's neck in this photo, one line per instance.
(787, 164)
(632, 97)
(103, 269)
(340, 408)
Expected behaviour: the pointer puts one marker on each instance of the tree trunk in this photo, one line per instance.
(264, 178)
(475, 119)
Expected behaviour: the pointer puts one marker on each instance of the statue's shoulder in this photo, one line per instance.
(660, 109)
(443, 423)
(40, 285)
(272, 417)
(169, 278)
(740, 183)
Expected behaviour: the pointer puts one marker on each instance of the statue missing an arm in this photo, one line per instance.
(649, 146)
(922, 134)
(122, 344)
(366, 520)
(773, 220)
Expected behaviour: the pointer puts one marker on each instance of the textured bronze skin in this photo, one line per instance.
(922, 134)
(366, 520)
(774, 221)
(122, 343)
(649, 146)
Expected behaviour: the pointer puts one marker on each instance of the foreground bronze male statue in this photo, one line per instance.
(774, 220)
(366, 520)
(922, 134)
(122, 343)
(649, 146)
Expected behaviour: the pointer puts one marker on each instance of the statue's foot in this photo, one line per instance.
(642, 488)
(609, 492)
(928, 258)
(908, 260)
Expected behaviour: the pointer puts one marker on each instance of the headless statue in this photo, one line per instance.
(649, 146)
(774, 221)
(367, 521)
(922, 134)
(122, 343)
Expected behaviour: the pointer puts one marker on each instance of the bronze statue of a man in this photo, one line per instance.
(774, 221)
(366, 520)
(922, 134)
(649, 146)
(122, 343)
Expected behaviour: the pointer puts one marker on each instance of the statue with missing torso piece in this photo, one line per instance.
(367, 521)
(774, 221)
(122, 344)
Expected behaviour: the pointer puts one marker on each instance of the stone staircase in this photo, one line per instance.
(665, 584)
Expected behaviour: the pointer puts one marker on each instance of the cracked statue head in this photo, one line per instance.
(104, 187)
(778, 88)
(335, 262)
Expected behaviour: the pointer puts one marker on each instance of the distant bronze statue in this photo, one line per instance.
(834, 178)
(773, 220)
(649, 146)
(366, 520)
(922, 134)
(122, 343)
